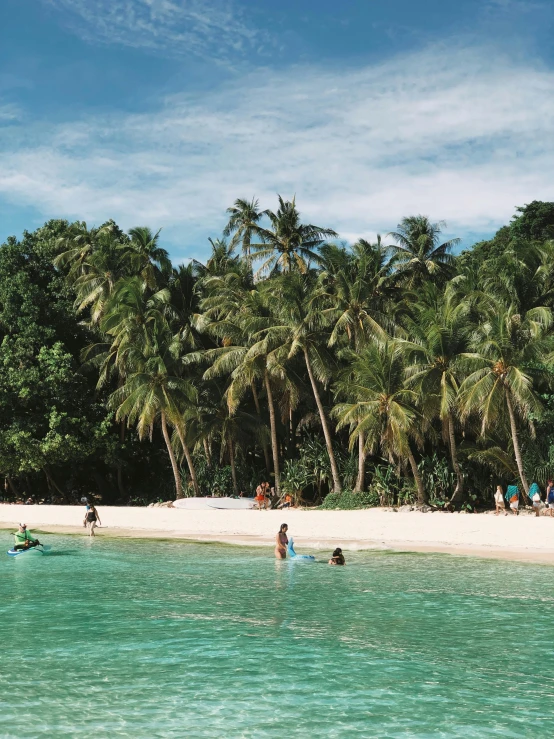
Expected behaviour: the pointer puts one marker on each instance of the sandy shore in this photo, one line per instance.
(525, 538)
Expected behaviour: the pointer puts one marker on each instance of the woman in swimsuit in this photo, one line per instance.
(281, 542)
(91, 519)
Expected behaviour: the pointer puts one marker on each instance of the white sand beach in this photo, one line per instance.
(524, 538)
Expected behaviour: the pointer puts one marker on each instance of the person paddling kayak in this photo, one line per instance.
(23, 539)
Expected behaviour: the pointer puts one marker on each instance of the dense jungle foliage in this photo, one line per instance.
(377, 374)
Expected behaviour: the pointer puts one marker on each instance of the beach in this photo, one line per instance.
(524, 538)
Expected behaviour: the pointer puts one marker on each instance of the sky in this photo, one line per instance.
(163, 112)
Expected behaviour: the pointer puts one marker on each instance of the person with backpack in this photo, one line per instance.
(512, 497)
(535, 495)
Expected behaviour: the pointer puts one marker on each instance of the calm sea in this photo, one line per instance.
(120, 638)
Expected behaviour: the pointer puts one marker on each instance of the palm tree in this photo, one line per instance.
(240, 319)
(288, 244)
(146, 257)
(137, 326)
(380, 406)
(509, 352)
(354, 296)
(438, 331)
(296, 329)
(150, 394)
(100, 271)
(418, 253)
(244, 215)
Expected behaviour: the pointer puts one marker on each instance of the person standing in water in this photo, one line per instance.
(92, 519)
(281, 541)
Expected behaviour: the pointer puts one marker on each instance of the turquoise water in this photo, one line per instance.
(111, 638)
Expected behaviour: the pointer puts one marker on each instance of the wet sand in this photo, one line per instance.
(524, 538)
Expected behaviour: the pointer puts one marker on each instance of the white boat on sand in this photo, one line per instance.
(195, 504)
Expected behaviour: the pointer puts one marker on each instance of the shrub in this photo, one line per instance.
(350, 501)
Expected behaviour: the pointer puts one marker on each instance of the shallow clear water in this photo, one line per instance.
(146, 639)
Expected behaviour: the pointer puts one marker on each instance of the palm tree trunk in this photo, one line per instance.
(259, 412)
(190, 463)
(207, 452)
(334, 469)
(273, 428)
(120, 483)
(13, 488)
(233, 469)
(458, 495)
(515, 442)
(360, 482)
(178, 488)
(421, 497)
(52, 482)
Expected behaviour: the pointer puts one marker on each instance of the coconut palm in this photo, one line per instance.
(244, 215)
(418, 253)
(296, 329)
(379, 406)
(438, 331)
(354, 296)
(509, 352)
(288, 244)
(152, 394)
(146, 257)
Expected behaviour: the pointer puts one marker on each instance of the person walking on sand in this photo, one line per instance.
(92, 519)
(499, 501)
(550, 497)
(281, 541)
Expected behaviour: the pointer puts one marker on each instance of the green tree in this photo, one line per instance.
(379, 405)
(509, 350)
(418, 254)
(288, 244)
(438, 331)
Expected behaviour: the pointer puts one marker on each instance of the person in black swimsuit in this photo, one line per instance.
(92, 519)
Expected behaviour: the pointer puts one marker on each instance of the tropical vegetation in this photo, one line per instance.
(389, 371)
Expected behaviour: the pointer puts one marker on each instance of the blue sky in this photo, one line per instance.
(162, 112)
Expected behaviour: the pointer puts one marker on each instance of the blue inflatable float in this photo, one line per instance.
(297, 557)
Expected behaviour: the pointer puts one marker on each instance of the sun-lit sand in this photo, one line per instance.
(484, 535)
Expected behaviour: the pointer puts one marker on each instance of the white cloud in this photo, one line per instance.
(456, 134)
(215, 29)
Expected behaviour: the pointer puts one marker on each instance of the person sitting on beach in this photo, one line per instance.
(92, 519)
(23, 539)
(499, 501)
(287, 502)
(281, 541)
(337, 558)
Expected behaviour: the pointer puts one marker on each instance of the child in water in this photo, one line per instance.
(337, 558)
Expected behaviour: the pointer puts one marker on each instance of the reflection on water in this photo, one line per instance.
(147, 639)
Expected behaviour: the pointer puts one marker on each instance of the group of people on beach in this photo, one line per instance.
(512, 498)
(282, 540)
(266, 494)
